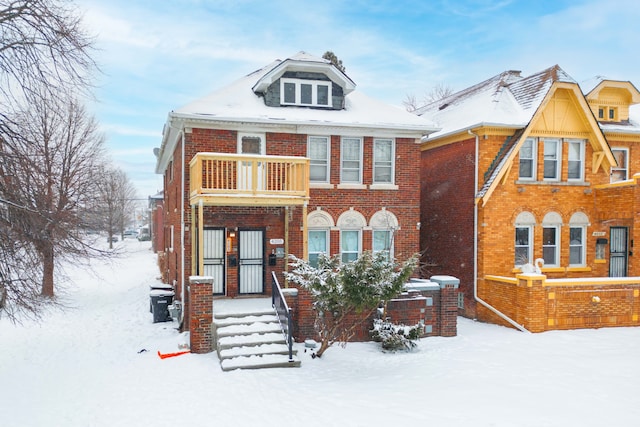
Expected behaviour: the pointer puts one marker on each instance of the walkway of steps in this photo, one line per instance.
(247, 335)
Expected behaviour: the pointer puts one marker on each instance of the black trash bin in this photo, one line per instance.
(160, 301)
(158, 286)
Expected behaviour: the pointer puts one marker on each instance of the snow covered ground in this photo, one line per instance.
(83, 367)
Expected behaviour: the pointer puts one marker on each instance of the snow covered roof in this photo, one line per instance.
(510, 100)
(241, 104)
(507, 99)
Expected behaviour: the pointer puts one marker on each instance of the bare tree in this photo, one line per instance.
(436, 93)
(44, 51)
(116, 194)
(51, 174)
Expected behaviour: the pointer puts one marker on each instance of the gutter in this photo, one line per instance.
(475, 246)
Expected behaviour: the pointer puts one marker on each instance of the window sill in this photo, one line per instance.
(351, 187)
(553, 270)
(599, 261)
(383, 187)
(322, 185)
(578, 269)
(561, 183)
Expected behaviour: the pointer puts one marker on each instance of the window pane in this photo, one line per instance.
(526, 168)
(290, 93)
(323, 95)
(576, 247)
(350, 241)
(318, 154)
(305, 94)
(381, 240)
(522, 251)
(549, 255)
(522, 256)
(318, 241)
(575, 160)
(351, 160)
(550, 159)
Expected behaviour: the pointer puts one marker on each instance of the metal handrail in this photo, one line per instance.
(283, 312)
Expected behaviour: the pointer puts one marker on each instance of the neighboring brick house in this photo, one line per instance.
(156, 225)
(529, 168)
(288, 159)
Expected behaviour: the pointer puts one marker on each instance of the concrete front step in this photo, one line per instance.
(229, 320)
(250, 340)
(263, 349)
(247, 329)
(244, 313)
(257, 362)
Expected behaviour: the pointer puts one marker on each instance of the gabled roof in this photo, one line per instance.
(238, 106)
(507, 100)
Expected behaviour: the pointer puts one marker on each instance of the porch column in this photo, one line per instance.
(305, 237)
(201, 238)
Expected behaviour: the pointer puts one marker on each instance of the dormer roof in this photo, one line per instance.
(303, 61)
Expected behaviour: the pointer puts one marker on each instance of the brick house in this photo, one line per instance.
(288, 159)
(536, 171)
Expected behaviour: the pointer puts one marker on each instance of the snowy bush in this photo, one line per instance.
(395, 337)
(341, 289)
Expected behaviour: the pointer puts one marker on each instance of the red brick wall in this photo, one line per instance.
(200, 316)
(446, 233)
(403, 202)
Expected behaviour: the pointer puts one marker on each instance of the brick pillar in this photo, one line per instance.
(200, 313)
(448, 304)
(301, 304)
(531, 304)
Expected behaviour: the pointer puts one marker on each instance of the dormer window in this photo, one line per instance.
(608, 113)
(309, 93)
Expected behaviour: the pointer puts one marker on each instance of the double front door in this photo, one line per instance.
(244, 257)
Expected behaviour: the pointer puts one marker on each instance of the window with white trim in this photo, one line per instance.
(351, 160)
(528, 154)
(350, 223)
(318, 150)
(523, 245)
(349, 245)
(552, 159)
(523, 253)
(576, 160)
(621, 171)
(577, 239)
(551, 225)
(383, 156)
(318, 243)
(311, 93)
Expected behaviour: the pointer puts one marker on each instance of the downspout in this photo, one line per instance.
(182, 184)
(475, 246)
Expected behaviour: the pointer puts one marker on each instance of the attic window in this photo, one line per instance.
(311, 93)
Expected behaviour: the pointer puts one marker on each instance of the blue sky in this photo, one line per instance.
(157, 56)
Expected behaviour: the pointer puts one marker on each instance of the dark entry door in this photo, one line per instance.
(251, 261)
(214, 240)
(618, 252)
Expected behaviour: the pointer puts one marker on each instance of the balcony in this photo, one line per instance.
(218, 179)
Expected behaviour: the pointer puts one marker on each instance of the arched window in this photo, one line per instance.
(383, 225)
(578, 239)
(551, 225)
(350, 224)
(319, 224)
(525, 221)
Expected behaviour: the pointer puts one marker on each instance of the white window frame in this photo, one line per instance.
(171, 237)
(557, 159)
(555, 245)
(391, 162)
(342, 240)
(533, 160)
(327, 234)
(359, 160)
(320, 162)
(528, 245)
(582, 246)
(581, 144)
(298, 92)
(619, 168)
